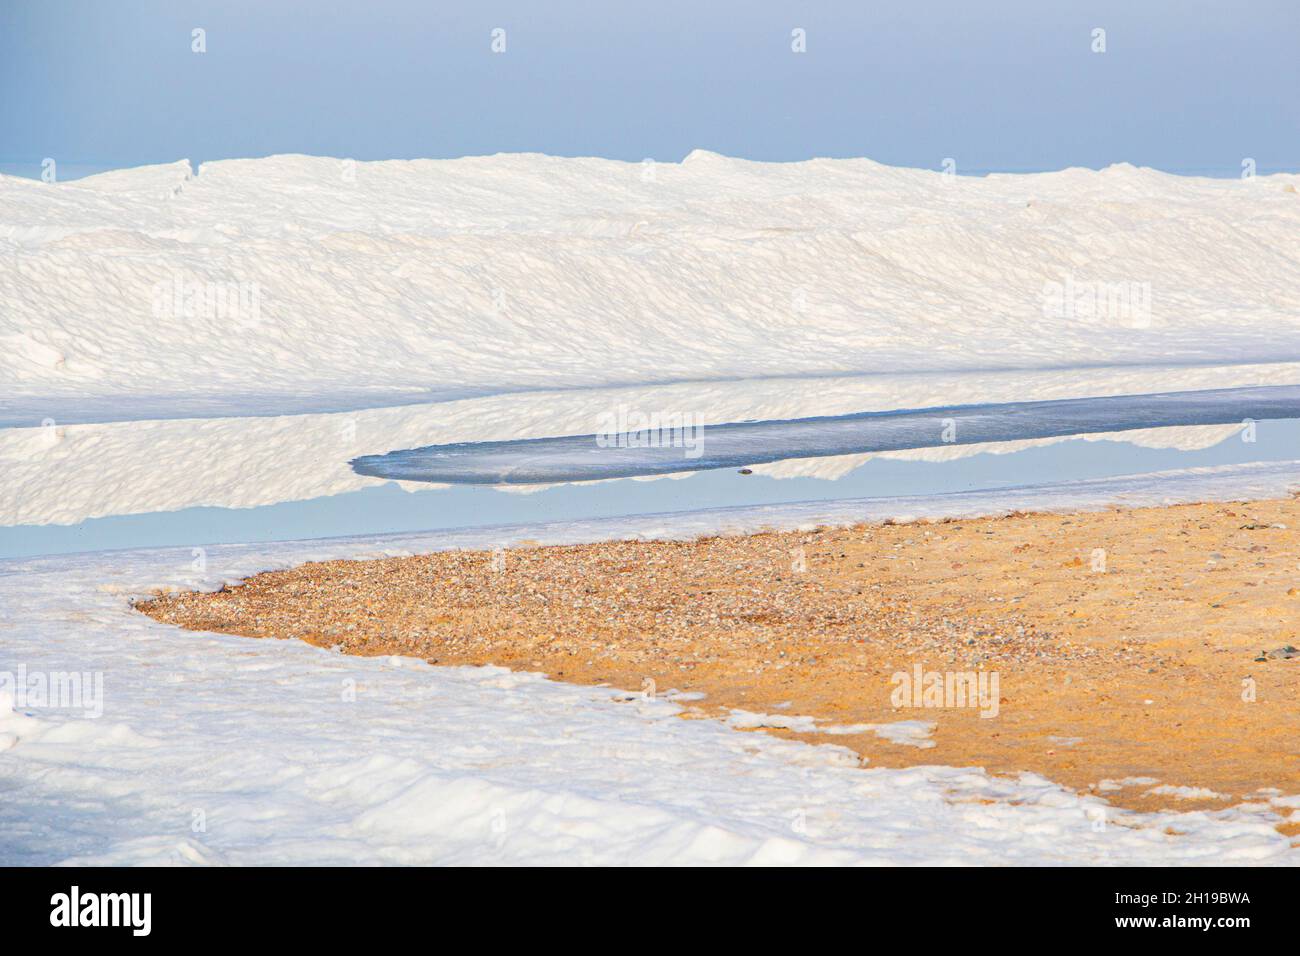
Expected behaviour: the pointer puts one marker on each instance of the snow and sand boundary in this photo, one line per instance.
(1087, 646)
(215, 748)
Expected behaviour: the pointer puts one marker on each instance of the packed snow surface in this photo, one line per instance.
(218, 749)
(274, 283)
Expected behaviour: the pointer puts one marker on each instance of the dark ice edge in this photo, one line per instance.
(735, 444)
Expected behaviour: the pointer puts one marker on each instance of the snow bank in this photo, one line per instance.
(297, 274)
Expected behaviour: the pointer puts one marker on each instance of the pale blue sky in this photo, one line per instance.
(1184, 85)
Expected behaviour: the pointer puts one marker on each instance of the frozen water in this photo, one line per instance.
(693, 446)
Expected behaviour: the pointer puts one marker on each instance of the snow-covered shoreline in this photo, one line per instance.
(217, 749)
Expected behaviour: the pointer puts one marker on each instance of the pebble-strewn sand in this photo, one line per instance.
(1125, 642)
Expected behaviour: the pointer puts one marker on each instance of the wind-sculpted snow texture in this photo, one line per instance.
(286, 280)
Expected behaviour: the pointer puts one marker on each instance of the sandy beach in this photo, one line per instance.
(1140, 655)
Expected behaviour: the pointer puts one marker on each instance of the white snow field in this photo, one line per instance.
(215, 749)
(232, 336)
(301, 283)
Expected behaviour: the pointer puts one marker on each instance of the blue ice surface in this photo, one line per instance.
(386, 508)
(641, 452)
